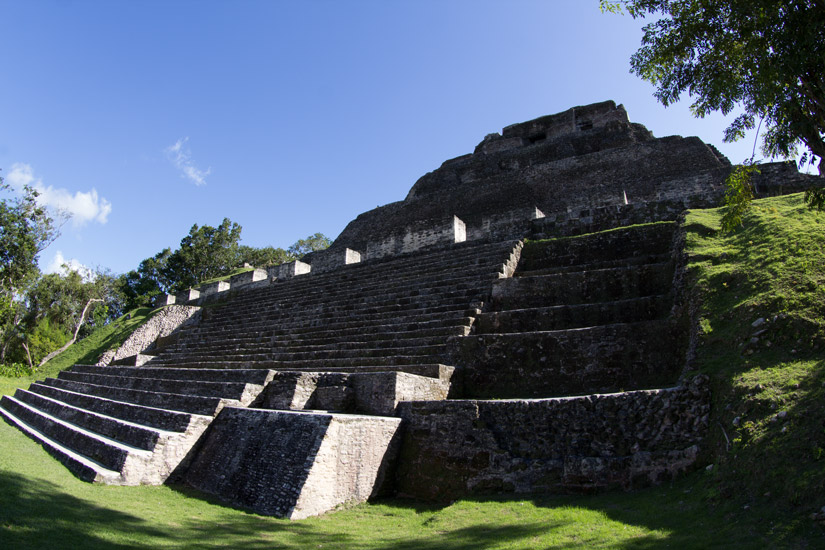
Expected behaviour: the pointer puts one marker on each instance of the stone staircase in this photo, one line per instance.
(127, 426)
(361, 339)
(571, 378)
(389, 316)
(581, 315)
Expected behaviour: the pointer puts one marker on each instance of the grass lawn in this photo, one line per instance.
(766, 446)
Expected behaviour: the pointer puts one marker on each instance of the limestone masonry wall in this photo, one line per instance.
(162, 324)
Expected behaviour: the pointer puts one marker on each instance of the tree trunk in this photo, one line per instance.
(28, 354)
(76, 330)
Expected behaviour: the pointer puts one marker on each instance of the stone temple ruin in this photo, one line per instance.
(431, 351)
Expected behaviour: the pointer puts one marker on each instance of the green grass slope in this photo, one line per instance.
(86, 351)
(765, 444)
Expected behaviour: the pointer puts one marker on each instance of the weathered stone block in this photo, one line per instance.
(163, 300)
(187, 296)
(418, 235)
(291, 464)
(293, 269)
(213, 288)
(248, 278)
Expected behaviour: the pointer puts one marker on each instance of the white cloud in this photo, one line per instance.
(61, 265)
(181, 157)
(83, 207)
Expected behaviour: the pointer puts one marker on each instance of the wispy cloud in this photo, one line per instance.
(181, 158)
(83, 207)
(61, 265)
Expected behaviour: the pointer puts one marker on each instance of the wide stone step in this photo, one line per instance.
(379, 334)
(575, 316)
(364, 342)
(463, 255)
(81, 466)
(172, 421)
(441, 324)
(352, 323)
(331, 365)
(129, 433)
(329, 307)
(620, 244)
(228, 390)
(207, 406)
(109, 453)
(242, 376)
(312, 287)
(601, 359)
(431, 370)
(596, 265)
(602, 285)
(332, 353)
(454, 277)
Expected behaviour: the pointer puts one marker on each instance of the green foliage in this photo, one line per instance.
(45, 338)
(738, 195)
(765, 56)
(263, 257)
(25, 230)
(151, 278)
(768, 379)
(206, 252)
(815, 199)
(313, 243)
(16, 370)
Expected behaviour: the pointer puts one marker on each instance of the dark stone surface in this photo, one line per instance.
(588, 157)
(605, 358)
(258, 459)
(455, 448)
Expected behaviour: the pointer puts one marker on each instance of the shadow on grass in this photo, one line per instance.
(38, 514)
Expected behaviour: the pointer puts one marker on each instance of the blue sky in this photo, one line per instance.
(288, 117)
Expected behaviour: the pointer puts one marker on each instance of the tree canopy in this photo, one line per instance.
(765, 56)
(205, 253)
(26, 229)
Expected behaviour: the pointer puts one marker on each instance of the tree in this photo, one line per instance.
(262, 257)
(765, 56)
(313, 243)
(26, 229)
(64, 304)
(206, 252)
(139, 286)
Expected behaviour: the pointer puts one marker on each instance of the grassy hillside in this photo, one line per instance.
(762, 320)
(763, 472)
(86, 351)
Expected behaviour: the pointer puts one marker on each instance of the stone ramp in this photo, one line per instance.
(127, 426)
(293, 464)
